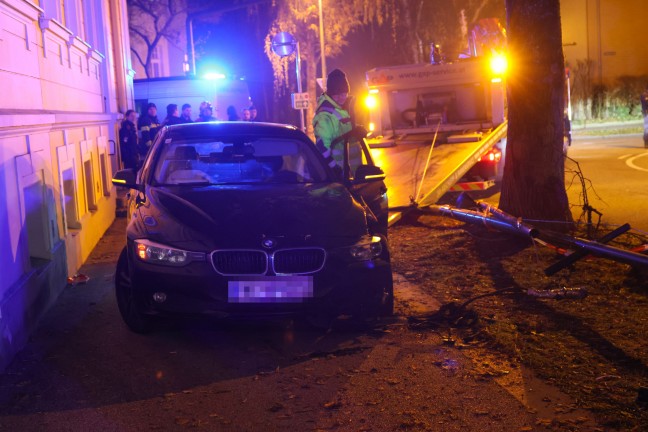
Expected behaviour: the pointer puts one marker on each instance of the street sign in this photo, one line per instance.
(300, 100)
(283, 44)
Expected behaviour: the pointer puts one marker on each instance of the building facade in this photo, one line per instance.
(159, 35)
(167, 59)
(66, 77)
(608, 33)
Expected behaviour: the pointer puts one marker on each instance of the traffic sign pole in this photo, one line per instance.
(284, 44)
(299, 86)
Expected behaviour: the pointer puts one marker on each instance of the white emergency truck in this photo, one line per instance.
(220, 92)
(455, 111)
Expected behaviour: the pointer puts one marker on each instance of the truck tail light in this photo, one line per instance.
(493, 155)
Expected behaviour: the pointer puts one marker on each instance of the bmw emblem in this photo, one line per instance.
(268, 243)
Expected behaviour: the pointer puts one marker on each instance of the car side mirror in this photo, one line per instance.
(126, 178)
(366, 173)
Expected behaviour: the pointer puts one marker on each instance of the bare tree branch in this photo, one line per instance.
(152, 21)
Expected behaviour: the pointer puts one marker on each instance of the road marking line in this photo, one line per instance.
(630, 162)
(624, 156)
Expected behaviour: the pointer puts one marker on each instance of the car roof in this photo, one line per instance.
(200, 129)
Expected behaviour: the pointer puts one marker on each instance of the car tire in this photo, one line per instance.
(127, 302)
(318, 320)
(386, 308)
(382, 302)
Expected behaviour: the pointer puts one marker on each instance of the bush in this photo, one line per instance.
(628, 90)
(601, 102)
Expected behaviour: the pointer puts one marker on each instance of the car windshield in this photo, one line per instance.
(231, 160)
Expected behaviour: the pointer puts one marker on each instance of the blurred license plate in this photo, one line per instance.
(277, 289)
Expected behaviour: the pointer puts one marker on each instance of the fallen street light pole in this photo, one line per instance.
(502, 221)
(465, 201)
(493, 218)
(475, 217)
(582, 253)
(598, 249)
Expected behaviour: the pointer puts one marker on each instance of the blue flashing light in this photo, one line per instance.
(214, 76)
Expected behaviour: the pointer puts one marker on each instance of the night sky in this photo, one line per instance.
(234, 45)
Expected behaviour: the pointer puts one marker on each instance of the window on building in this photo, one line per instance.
(54, 9)
(156, 67)
(105, 179)
(91, 29)
(91, 197)
(70, 207)
(80, 18)
(37, 222)
(74, 17)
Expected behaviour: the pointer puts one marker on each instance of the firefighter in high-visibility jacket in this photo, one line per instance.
(148, 126)
(333, 126)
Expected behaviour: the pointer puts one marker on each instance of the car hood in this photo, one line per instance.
(239, 215)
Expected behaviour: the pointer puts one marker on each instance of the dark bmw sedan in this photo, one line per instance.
(246, 220)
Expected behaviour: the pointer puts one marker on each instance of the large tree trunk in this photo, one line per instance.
(534, 185)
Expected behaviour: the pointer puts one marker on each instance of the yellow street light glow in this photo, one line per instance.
(498, 64)
(371, 101)
(373, 91)
(372, 127)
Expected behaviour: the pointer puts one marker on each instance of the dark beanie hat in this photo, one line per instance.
(336, 83)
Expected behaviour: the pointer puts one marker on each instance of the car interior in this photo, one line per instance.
(281, 161)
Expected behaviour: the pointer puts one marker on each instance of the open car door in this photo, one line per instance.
(366, 182)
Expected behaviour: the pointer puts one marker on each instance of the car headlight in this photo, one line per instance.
(366, 249)
(156, 253)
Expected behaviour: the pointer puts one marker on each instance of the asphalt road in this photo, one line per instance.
(84, 371)
(617, 172)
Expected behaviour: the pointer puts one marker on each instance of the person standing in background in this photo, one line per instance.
(232, 115)
(206, 111)
(128, 140)
(186, 114)
(172, 116)
(253, 113)
(148, 126)
(245, 114)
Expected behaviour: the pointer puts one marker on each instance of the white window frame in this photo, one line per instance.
(90, 192)
(65, 163)
(104, 165)
(27, 177)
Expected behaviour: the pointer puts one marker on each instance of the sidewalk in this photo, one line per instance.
(607, 125)
(607, 130)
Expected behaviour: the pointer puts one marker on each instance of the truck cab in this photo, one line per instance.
(466, 95)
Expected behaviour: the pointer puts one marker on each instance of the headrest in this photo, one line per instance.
(185, 153)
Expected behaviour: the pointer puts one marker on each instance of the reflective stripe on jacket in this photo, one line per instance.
(332, 125)
(148, 127)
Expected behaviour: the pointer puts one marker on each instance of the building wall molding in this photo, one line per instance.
(18, 124)
(28, 9)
